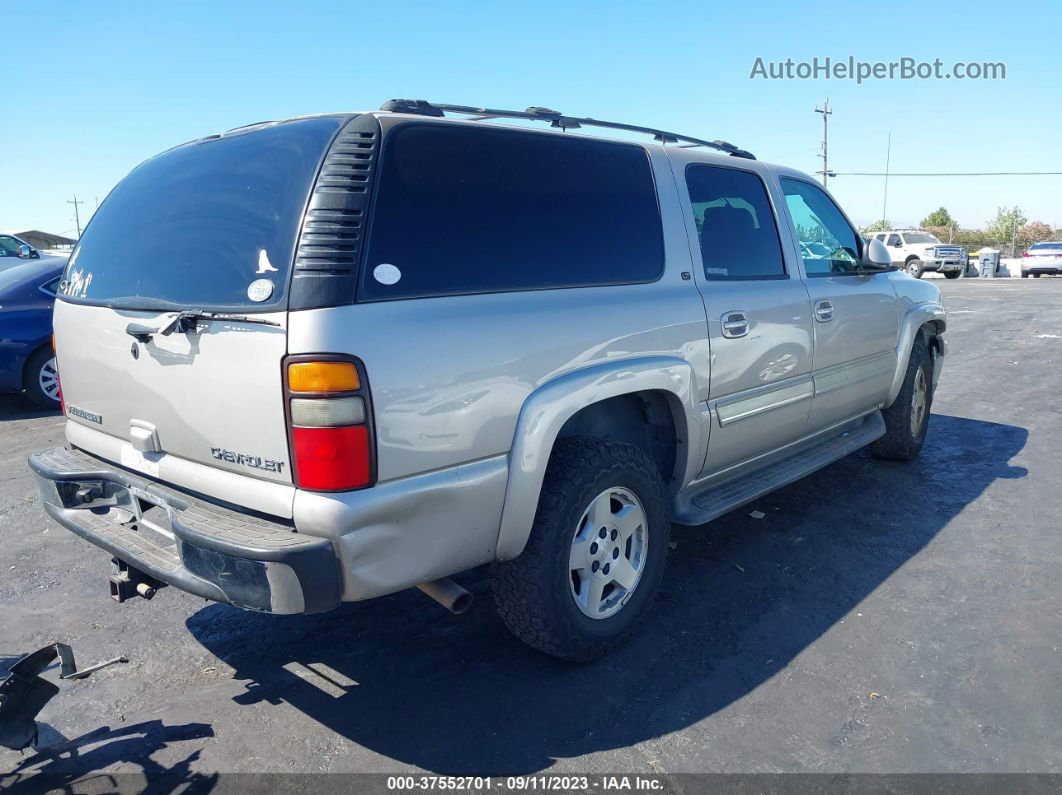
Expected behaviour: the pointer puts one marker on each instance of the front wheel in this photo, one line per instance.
(596, 552)
(915, 267)
(907, 419)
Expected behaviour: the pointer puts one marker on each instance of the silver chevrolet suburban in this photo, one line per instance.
(324, 359)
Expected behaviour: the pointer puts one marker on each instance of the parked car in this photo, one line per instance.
(11, 246)
(27, 363)
(1041, 258)
(330, 358)
(919, 251)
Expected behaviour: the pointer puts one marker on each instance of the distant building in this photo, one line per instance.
(46, 241)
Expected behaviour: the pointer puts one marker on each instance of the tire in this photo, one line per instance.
(542, 596)
(951, 275)
(1036, 275)
(914, 267)
(1025, 276)
(902, 442)
(41, 379)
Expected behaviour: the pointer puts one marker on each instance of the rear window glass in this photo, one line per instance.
(473, 209)
(196, 226)
(1041, 246)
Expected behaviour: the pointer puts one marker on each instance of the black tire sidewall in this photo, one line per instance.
(562, 529)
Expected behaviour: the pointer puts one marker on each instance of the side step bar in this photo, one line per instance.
(713, 502)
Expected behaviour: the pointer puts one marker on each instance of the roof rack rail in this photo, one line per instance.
(556, 120)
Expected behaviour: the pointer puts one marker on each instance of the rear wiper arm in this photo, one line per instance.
(189, 321)
(186, 321)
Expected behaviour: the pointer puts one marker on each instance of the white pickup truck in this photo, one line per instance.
(919, 251)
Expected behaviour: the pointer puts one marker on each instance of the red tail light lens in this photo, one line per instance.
(329, 418)
(1026, 254)
(331, 459)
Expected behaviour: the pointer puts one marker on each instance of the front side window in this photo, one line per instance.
(8, 246)
(735, 224)
(823, 230)
(476, 209)
(894, 240)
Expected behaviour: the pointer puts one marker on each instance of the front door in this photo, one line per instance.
(855, 315)
(759, 318)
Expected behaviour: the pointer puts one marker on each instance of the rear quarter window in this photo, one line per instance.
(478, 209)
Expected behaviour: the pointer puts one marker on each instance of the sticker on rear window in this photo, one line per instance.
(259, 290)
(386, 273)
(264, 265)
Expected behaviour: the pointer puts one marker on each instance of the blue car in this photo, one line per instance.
(27, 292)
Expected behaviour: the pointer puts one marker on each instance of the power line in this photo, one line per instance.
(946, 173)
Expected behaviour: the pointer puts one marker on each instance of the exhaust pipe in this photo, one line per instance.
(449, 594)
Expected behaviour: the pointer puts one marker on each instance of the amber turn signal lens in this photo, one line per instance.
(323, 377)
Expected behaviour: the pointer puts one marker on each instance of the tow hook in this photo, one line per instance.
(23, 693)
(127, 582)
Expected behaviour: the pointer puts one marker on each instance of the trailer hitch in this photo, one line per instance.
(23, 693)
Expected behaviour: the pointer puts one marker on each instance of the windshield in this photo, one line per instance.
(210, 224)
(919, 237)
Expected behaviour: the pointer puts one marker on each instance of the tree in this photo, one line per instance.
(1004, 228)
(939, 218)
(1034, 233)
(878, 226)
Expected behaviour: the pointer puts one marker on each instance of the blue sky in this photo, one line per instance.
(92, 88)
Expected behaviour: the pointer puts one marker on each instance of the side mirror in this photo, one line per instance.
(24, 251)
(876, 257)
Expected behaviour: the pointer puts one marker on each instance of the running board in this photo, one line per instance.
(717, 500)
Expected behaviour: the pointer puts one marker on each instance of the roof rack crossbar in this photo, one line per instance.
(557, 120)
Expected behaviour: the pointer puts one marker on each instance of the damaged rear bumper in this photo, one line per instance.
(199, 546)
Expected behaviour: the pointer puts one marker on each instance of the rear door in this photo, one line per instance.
(855, 314)
(210, 226)
(759, 323)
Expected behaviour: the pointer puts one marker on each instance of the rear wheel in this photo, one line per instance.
(915, 267)
(1024, 275)
(596, 552)
(907, 419)
(42, 379)
(1036, 275)
(951, 275)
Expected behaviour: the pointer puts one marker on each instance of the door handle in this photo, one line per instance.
(735, 324)
(823, 311)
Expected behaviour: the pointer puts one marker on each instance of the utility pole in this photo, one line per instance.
(77, 216)
(825, 111)
(885, 197)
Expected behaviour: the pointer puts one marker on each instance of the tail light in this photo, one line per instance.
(1026, 254)
(329, 423)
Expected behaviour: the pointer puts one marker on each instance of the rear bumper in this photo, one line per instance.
(1047, 270)
(198, 546)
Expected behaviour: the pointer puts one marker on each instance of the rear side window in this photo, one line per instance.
(196, 226)
(474, 209)
(735, 224)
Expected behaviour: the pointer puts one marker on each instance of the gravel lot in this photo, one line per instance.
(880, 618)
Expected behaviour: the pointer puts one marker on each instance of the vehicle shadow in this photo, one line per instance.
(64, 765)
(742, 597)
(18, 407)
